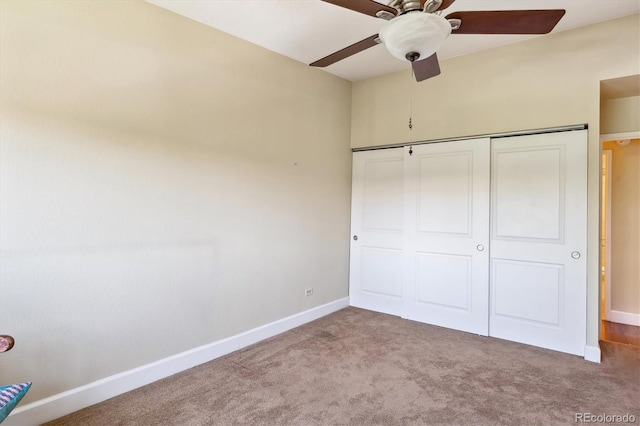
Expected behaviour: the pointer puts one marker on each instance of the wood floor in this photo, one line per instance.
(621, 333)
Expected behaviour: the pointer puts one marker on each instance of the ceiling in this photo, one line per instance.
(307, 30)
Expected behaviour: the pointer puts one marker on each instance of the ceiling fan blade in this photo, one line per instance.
(347, 51)
(368, 7)
(445, 4)
(426, 68)
(507, 21)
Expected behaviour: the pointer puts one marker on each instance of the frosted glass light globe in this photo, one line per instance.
(418, 32)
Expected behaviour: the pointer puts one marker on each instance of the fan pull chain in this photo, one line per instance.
(411, 111)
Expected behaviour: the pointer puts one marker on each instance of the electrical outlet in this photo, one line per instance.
(308, 291)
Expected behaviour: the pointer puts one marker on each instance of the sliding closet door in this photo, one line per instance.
(538, 240)
(447, 234)
(375, 280)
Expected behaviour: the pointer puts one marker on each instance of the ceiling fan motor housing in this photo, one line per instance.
(415, 33)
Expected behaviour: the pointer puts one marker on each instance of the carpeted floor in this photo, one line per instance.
(356, 367)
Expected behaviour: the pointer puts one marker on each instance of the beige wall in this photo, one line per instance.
(625, 227)
(543, 82)
(163, 185)
(620, 115)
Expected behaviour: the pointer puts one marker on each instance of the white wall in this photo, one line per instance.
(547, 81)
(162, 186)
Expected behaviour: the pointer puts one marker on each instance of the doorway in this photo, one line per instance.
(620, 238)
(605, 225)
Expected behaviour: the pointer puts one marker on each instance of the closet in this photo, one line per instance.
(483, 235)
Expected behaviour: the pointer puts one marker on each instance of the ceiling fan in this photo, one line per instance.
(415, 29)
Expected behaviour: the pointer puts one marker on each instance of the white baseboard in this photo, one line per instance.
(55, 406)
(592, 353)
(624, 318)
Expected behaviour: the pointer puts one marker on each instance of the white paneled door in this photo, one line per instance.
(377, 222)
(447, 234)
(482, 235)
(538, 240)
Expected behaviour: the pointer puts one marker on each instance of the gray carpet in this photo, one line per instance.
(356, 367)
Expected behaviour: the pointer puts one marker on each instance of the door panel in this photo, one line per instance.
(538, 290)
(383, 192)
(444, 177)
(446, 220)
(528, 207)
(528, 291)
(377, 219)
(381, 271)
(444, 280)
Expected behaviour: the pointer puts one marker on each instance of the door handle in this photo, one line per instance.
(576, 255)
(355, 238)
(480, 247)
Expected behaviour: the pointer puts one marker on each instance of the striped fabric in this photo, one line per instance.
(10, 396)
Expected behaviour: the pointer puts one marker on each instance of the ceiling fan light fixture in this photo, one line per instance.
(415, 33)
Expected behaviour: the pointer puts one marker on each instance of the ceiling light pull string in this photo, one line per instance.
(411, 87)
